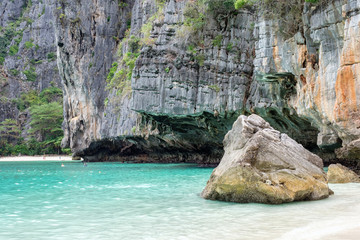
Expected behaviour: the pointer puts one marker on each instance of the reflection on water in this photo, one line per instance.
(152, 201)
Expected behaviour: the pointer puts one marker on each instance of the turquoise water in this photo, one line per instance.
(42, 200)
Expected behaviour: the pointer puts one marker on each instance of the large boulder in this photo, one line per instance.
(263, 165)
(337, 173)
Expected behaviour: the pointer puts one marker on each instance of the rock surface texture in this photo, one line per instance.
(263, 165)
(325, 64)
(28, 48)
(337, 173)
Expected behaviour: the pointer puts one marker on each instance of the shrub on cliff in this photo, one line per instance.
(220, 6)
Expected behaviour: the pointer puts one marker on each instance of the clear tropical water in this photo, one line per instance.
(42, 200)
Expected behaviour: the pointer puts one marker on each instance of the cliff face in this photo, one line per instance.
(27, 52)
(87, 36)
(173, 100)
(304, 85)
(325, 63)
(168, 81)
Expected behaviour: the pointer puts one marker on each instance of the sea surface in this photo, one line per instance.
(43, 200)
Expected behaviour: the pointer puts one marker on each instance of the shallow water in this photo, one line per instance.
(42, 200)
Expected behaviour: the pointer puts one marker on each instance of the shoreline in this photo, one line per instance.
(37, 158)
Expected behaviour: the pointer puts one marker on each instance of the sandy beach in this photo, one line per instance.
(349, 234)
(37, 158)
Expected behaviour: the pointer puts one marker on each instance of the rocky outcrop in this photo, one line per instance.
(169, 78)
(253, 68)
(263, 165)
(304, 84)
(166, 79)
(337, 173)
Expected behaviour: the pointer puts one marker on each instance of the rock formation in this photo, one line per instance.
(263, 165)
(304, 83)
(337, 173)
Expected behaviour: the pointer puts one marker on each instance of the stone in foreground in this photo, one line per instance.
(337, 173)
(262, 165)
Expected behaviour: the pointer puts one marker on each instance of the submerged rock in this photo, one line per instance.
(337, 173)
(263, 165)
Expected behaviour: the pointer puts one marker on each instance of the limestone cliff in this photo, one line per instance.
(27, 52)
(137, 87)
(304, 85)
(87, 35)
(324, 61)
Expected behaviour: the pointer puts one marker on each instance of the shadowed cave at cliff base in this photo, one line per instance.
(194, 138)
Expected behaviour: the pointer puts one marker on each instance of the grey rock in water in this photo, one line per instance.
(263, 165)
(338, 173)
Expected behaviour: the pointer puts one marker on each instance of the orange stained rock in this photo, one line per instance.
(345, 94)
(303, 79)
(317, 94)
(276, 57)
(302, 53)
(351, 54)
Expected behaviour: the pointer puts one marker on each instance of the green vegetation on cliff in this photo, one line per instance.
(13, 32)
(119, 77)
(121, 71)
(286, 13)
(243, 3)
(43, 133)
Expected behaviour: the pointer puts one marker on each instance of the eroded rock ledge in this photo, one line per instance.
(263, 165)
(194, 138)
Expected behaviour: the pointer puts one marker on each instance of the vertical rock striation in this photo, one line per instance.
(86, 36)
(323, 62)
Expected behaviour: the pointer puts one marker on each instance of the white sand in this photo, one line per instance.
(36, 158)
(350, 234)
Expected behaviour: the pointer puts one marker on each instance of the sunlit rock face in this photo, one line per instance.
(263, 165)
